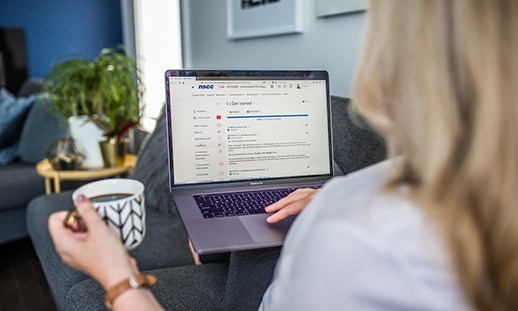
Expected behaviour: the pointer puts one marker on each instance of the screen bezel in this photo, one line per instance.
(236, 74)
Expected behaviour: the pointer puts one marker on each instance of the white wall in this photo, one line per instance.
(158, 48)
(330, 43)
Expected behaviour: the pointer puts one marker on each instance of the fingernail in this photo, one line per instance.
(81, 198)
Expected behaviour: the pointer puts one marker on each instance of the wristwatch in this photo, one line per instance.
(135, 281)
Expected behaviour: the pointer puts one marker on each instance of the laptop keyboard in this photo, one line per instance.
(239, 203)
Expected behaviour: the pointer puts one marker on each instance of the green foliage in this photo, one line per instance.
(107, 89)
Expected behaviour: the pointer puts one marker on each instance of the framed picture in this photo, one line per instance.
(259, 18)
(335, 7)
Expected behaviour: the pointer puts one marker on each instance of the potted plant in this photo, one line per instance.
(105, 91)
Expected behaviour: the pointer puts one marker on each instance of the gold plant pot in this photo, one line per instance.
(113, 152)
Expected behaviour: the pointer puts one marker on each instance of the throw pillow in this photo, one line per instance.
(41, 127)
(12, 115)
(8, 154)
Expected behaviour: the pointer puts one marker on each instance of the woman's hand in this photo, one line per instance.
(293, 204)
(97, 252)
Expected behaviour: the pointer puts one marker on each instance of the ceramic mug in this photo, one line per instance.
(120, 203)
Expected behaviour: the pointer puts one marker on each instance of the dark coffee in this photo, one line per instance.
(109, 197)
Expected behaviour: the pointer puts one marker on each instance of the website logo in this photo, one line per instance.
(205, 86)
(247, 4)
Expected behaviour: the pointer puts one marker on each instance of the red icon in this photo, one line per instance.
(218, 125)
(220, 151)
(218, 117)
(220, 138)
(221, 173)
(220, 163)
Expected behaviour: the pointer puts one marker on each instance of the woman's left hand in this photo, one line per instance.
(97, 252)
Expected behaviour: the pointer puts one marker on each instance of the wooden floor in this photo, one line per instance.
(23, 286)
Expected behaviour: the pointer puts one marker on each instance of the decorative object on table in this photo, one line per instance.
(105, 91)
(248, 19)
(87, 136)
(63, 154)
(336, 7)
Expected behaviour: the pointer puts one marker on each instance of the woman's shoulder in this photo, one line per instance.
(360, 200)
(357, 200)
(362, 183)
(358, 207)
(357, 204)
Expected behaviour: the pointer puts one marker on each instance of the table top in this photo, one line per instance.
(44, 168)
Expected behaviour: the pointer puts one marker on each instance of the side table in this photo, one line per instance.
(44, 168)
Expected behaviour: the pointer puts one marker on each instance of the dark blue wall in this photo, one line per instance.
(56, 27)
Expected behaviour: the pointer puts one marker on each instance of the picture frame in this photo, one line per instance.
(336, 7)
(260, 18)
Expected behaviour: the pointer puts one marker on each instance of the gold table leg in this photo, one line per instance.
(47, 186)
(57, 185)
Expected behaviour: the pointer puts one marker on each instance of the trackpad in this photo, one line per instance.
(263, 232)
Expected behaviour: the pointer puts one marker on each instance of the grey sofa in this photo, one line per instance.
(224, 281)
(19, 182)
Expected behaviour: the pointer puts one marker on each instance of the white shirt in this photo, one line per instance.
(356, 248)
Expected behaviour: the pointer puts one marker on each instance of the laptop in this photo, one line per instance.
(239, 141)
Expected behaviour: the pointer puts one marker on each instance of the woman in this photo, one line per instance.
(435, 229)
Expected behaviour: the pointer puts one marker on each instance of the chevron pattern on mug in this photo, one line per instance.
(121, 203)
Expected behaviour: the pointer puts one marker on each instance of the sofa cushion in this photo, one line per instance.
(12, 224)
(152, 169)
(355, 144)
(19, 183)
(42, 126)
(257, 265)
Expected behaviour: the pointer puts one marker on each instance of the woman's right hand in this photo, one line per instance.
(97, 252)
(293, 204)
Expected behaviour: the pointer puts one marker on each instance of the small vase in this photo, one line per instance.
(87, 136)
(113, 151)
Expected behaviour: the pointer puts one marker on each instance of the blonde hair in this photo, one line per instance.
(439, 79)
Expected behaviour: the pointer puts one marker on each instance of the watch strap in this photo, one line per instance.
(133, 282)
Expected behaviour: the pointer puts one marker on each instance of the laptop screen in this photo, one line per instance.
(229, 126)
